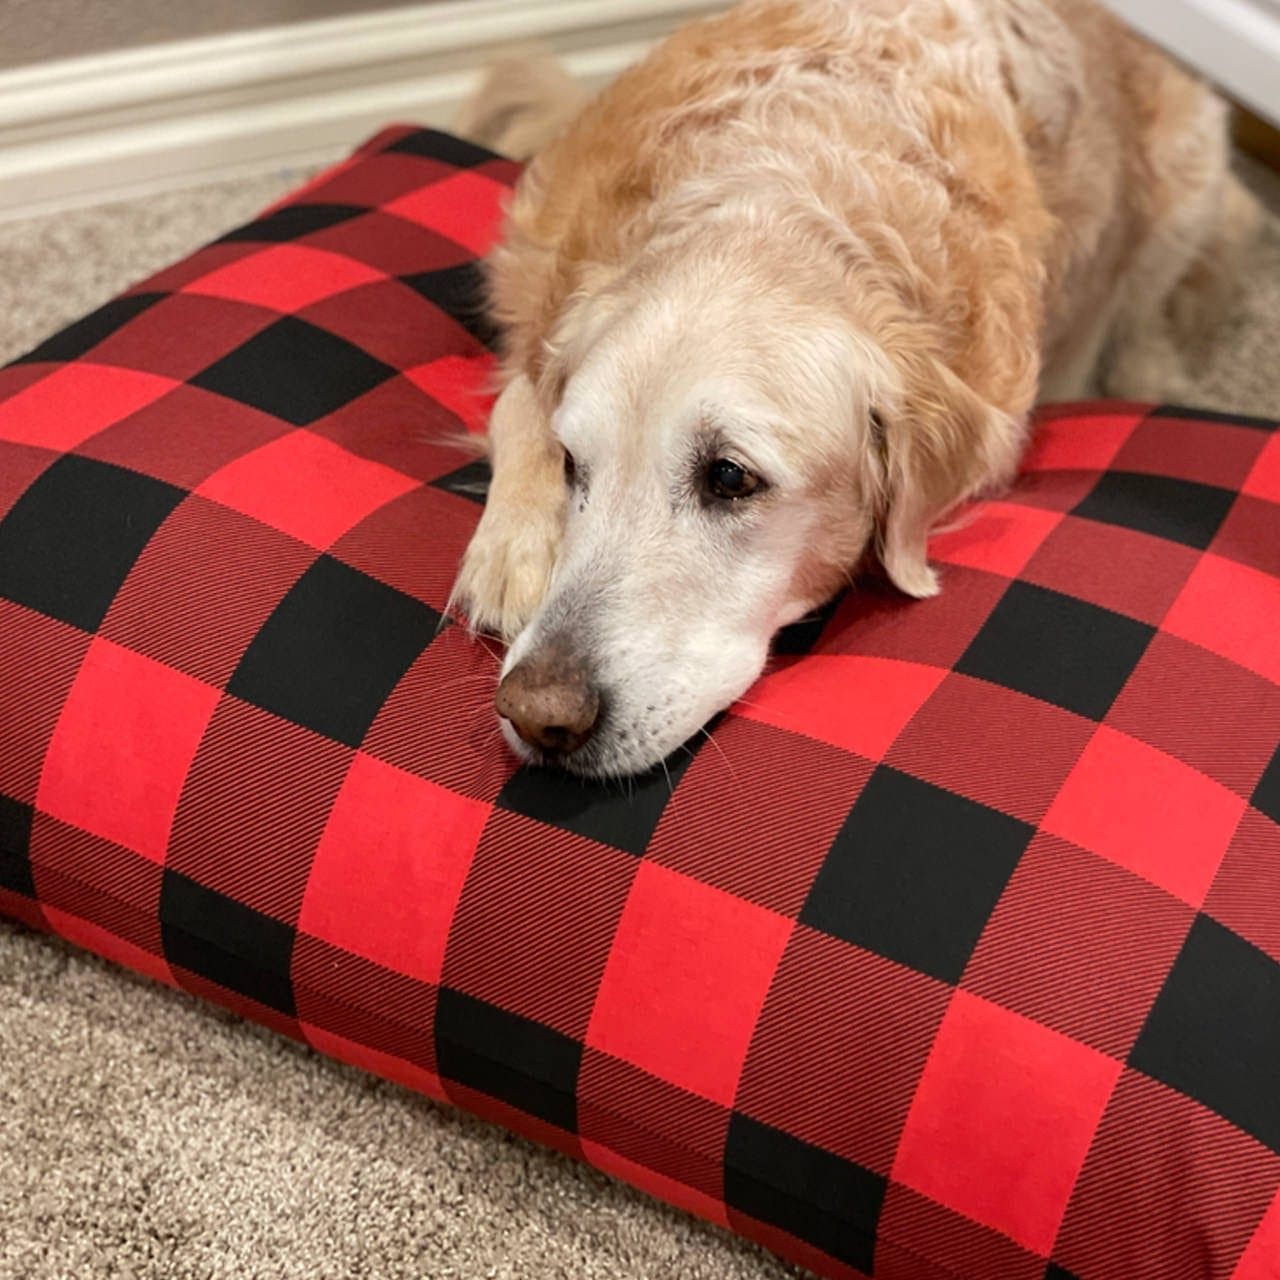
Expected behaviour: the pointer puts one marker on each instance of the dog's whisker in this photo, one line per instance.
(728, 764)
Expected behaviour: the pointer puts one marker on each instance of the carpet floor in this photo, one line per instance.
(146, 1135)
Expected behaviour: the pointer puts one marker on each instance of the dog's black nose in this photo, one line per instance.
(550, 700)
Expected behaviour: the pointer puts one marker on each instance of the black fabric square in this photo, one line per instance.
(1266, 795)
(295, 371)
(800, 637)
(1057, 648)
(1214, 1031)
(1055, 1272)
(621, 814)
(433, 145)
(15, 845)
(226, 942)
(293, 222)
(460, 293)
(820, 1198)
(522, 1062)
(1211, 415)
(470, 481)
(1176, 510)
(333, 650)
(76, 339)
(915, 873)
(69, 542)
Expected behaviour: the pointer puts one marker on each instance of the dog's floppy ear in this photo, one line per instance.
(940, 444)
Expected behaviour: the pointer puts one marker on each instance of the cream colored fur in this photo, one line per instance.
(848, 244)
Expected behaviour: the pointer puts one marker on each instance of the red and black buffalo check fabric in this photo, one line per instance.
(953, 954)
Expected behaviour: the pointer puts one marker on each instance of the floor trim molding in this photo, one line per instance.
(126, 123)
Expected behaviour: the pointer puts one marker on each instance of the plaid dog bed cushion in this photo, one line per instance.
(952, 954)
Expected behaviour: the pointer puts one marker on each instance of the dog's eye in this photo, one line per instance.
(728, 480)
(570, 469)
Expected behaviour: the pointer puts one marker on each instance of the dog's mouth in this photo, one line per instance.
(615, 752)
(611, 750)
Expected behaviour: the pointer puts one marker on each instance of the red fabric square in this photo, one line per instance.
(644, 1120)
(1251, 535)
(387, 1065)
(387, 243)
(876, 620)
(1079, 945)
(39, 658)
(173, 278)
(1083, 442)
(450, 739)
(362, 1001)
(852, 1062)
(1226, 719)
(76, 402)
(466, 207)
(1147, 812)
(1232, 610)
(196, 611)
(685, 980)
(738, 821)
(158, 440)
(1261, 1258)
(920, 1239)
(1003, 1119)
(97, 881)
(23, 465)
(1247, 886)
(285, 277)
(389, 543)
(398, 427)
(419, 335)
(109, 944)
(181, 335)
(1120, 569)
(122, 748)
(559, 898)
(305, 486)
(258, 774)
(1169, 1189)
(1264, 479)
(670, 1190)
(372, 180)
(396, 850)
(461, 383)
(1214, 453)
(1002, 748)
(858, 703)
(997, 537)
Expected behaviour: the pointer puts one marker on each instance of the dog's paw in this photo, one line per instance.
(506, 570)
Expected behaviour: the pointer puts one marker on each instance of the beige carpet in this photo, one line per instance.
(148, 1136)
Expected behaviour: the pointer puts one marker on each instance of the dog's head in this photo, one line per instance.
(740, 424)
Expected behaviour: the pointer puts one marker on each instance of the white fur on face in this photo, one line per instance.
(670, 598)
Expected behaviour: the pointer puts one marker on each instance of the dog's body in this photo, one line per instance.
(838, 248)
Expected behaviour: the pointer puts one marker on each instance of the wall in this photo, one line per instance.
(40, 30)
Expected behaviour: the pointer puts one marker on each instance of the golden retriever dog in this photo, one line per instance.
(783, 295)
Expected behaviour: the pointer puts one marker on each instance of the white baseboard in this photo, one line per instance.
(114, 125)
(1233, 42)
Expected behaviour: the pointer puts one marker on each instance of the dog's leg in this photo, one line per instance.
(1194, 201)
(1204, 295)
(506, 568)
(1144, 361)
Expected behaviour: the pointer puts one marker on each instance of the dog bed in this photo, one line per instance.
(953, 953)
